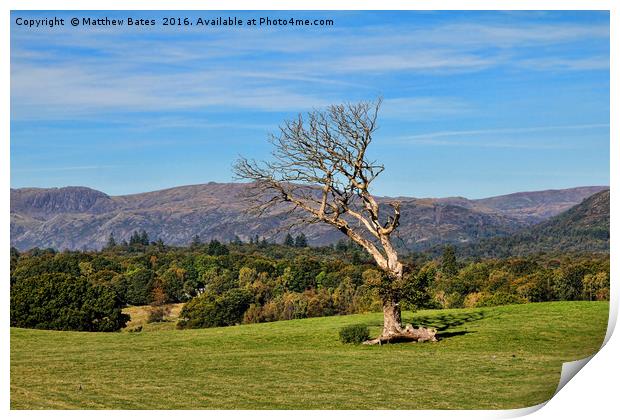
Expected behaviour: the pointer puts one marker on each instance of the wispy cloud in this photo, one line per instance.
(496, 144)
(78, 90)
(83, 72)
(424, 108)
(445, 61)
(571, 64)
(493, 131)
(65, 168)
(518, 34)
(473, 138)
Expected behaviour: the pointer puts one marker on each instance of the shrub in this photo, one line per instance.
(158, 314)
(253, 314)
(319, 304)
(60, 301)
(211, 310)
(448, 300)
(500, 298)
(473, 300)
(354, 334)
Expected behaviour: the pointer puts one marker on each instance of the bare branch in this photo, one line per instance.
(319, 168)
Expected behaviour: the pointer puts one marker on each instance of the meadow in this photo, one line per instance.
(487, 358)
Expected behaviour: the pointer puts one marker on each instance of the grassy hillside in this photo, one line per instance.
(503, 357)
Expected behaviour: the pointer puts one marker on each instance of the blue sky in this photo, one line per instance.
(475, 103)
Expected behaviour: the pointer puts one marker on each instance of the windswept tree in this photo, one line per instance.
(319, 170)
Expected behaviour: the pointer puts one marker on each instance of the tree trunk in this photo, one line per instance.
(393, 331)
(391, 318)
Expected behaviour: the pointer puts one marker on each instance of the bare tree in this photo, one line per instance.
(320, 171)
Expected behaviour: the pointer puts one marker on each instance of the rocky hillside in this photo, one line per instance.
(582, 228)
(537, 205)
(80, 217)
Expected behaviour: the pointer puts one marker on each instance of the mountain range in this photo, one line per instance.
(83, 218)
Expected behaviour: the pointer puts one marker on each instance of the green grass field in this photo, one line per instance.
(503, 357)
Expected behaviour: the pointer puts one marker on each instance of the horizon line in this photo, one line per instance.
(241, 183)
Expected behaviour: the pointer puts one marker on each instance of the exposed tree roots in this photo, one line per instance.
(409, 334)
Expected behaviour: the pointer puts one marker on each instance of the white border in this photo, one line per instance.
(593, 393)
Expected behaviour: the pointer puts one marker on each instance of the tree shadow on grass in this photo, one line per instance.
(444, 334)
(443, 322)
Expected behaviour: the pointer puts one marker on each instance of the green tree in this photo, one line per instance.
(342, 245)
(144, 238)
(217, 248)
(195, 242)
(304, 272)
(448, 262)
(111, 241)
(172, 283)
(289, 241)
(212, 310)
(134, 239)
(301, 241)
(568, 281)
(160, 245)
(60, 301)
(140, 282)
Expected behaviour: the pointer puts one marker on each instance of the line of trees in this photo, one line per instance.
(298, 241)
(234, 283)
(140, 239)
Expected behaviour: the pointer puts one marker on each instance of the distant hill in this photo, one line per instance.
(83, 218)
(582, 228)
(538, 205)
